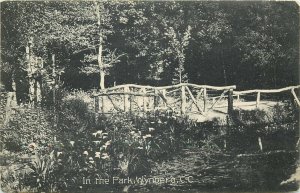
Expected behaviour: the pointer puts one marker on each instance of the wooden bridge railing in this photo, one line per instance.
(182, 98)
(258, 93)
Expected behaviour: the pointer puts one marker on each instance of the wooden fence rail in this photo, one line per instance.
(258, 93)
(181, 98)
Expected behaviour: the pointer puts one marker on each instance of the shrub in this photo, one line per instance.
(41, 175)
(28, 126)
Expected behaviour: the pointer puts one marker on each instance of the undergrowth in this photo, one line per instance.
(63, 148)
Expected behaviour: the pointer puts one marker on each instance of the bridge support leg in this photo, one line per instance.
(103, 104)
(164, 95)
(96, 106)
(257, 99)
(295, 97)
(204, 99)
(183, 100)
(230, 102)
(144, 99)
(260, 144)
(126, 99)
(156, 102)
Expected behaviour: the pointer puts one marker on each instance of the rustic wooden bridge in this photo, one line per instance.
(201, 102)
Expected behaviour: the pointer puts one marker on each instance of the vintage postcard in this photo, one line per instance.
(149, 96)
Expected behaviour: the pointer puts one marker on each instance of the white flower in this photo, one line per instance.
(72, 143)
(151, 129)
(32, 146)
(99, 132)
(108, 143)
(123, 20)
(85, 153)
(105, 156)
(91, 160)
(136, 135)
(58, 153)
(97, 142)
(97, 154)
(132, 132)
(147, 136)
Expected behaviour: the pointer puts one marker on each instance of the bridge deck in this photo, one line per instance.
(220, 111)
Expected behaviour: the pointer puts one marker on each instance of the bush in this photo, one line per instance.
(277, 128)
(28, 126)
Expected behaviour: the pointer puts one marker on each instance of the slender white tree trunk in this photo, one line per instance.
(100, 63)
(102, 80)
(100, 60)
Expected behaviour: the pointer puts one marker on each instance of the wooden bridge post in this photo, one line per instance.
(144, 101)
(139, 99)
(155, 104)
(130, 101)
(183, 100)
(260, 143)
(257, 99)
(295, 96)
(126, 98)
(103, 104)
(164, 95)
(230, 101)
(204, 99)
(96, 107)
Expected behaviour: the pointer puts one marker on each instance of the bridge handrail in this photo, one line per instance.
(266, 90)
(185, 97)
(165, 87)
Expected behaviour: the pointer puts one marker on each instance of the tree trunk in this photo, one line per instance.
(101, 67)
(224, 75)
(224, 67)
(102, 79)
(100, 61)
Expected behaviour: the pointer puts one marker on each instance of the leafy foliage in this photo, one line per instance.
(228, 41)
(29, 126)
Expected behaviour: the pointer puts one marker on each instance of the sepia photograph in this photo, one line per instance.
(149, 96)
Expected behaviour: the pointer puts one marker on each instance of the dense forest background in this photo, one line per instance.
(248, 44)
